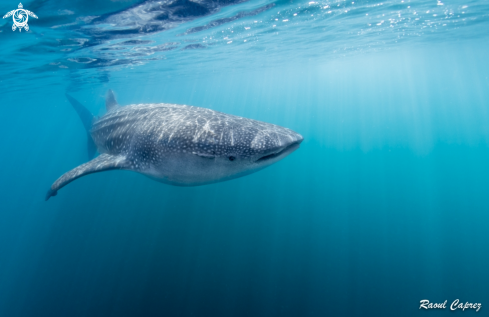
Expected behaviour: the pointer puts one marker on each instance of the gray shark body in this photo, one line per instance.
(179, 145)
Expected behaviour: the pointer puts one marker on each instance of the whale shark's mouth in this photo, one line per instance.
(286, 150)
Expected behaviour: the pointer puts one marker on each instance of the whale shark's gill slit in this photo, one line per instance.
(204, 155)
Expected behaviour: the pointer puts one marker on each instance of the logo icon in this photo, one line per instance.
(20, 17)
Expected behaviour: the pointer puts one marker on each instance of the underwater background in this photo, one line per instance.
(385, 203)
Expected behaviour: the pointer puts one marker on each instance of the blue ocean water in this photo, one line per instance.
(384, 205)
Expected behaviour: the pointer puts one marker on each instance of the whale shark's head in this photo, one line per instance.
(225, 150)
(258, 147)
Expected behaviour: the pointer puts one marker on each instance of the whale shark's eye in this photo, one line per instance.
(231, 158)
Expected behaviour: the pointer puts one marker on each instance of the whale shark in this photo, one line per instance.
(177, 144)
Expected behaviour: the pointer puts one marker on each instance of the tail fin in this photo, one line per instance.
(87, 119)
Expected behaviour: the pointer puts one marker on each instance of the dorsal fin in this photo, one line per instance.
(110, 102)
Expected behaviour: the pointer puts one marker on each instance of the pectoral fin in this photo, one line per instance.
(104, 162)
